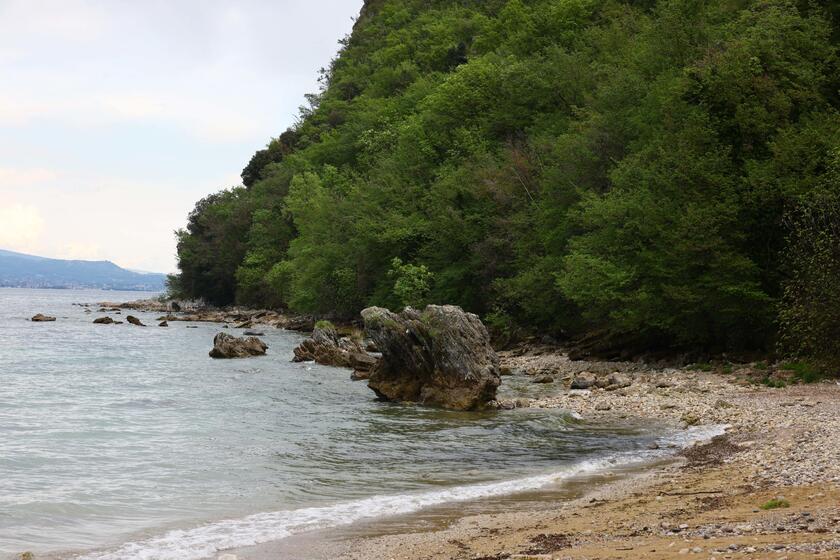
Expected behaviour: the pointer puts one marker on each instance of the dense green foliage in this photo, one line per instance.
(810, 314)
(621, 167)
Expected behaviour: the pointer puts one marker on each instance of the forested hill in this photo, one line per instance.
(638, 171)
(18, 270)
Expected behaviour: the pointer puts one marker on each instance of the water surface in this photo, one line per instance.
(125, 442)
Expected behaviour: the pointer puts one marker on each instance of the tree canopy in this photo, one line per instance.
(625, 167)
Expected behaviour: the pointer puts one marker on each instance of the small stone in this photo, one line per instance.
(226, 346)
(690, 419)
(41, 318)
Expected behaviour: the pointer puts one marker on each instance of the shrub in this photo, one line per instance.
(803, 371)
(776, 503)
(412, 283)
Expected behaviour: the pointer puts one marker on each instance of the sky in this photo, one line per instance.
(116, 116)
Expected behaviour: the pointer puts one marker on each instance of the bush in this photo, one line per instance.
(776, 503)
(412, 283)
(803, 371)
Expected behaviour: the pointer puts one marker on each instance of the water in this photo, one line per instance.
(121, 442)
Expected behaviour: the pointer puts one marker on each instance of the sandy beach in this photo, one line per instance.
(712, 501)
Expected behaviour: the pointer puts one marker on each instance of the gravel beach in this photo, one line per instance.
(781, 447)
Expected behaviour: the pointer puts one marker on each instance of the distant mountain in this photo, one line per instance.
(27, 271)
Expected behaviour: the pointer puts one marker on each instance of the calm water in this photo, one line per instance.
(122, 442)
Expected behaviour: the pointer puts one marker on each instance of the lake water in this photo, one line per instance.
(121, 442)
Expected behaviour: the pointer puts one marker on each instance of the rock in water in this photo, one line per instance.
(134, 321)
(163, 324)
(439, 357)
(227, 346)
(40, 318)
(326, 347)
(103, 321)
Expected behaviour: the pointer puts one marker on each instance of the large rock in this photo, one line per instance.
(584, 380)
(134, 321)
(227, 346)
(103, 321)
(439, 357)
(41, 318)
(326, 347)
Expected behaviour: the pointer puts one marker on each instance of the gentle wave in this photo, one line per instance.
(206, 541)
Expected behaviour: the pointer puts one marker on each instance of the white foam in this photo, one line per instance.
(207, 540)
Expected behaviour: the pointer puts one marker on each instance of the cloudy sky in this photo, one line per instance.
(116, 116)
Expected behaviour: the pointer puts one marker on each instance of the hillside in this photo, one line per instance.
(626, 173)
(27, 271)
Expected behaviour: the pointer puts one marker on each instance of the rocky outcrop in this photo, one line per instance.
(227, 346)
(299, 323)
(134, 321)
(438, 357)
(41, 318)
(326, 347)
(103, 321)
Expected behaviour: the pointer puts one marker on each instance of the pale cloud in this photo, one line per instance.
(211, 122)
(21, 226)
(117, 116)
(77, 20)
(12, 177)
(82, 251)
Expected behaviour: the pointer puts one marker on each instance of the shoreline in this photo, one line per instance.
(707, 503)
(780, 443)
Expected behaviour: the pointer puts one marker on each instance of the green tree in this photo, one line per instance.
(412, 283)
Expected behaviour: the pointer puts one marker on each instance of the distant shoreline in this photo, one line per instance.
(68, 288)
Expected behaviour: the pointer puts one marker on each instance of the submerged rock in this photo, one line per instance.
(163, 324)
(134, 321)
(227, 346)
(41, 318)
(103, 321)
(326, 347)
(439, 357)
